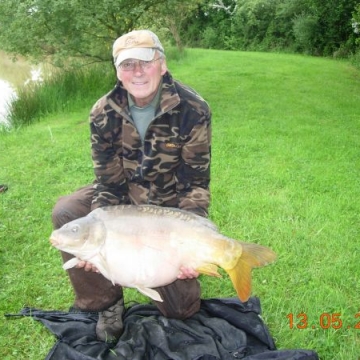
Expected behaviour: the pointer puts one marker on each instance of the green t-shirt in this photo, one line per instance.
(143, 116)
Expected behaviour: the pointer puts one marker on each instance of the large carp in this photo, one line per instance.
(145, 246)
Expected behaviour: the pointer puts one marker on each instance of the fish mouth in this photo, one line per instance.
(54, 242)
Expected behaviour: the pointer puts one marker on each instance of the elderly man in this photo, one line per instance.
(150, 139)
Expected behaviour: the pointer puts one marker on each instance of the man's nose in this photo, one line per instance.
(138, 68)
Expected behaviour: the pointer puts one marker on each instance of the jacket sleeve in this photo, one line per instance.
(110, 183)
(193, 175)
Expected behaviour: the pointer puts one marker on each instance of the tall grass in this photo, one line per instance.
(285, 173)
(61, 90)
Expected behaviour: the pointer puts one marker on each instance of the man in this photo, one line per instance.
(150, 139)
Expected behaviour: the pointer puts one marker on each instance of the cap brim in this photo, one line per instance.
(145, 54)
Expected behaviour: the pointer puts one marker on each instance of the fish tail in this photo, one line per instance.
(252, 256)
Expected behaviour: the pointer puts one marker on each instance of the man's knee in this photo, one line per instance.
(71, 207)
(61, 215)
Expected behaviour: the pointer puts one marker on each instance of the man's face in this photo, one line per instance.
(143, 82)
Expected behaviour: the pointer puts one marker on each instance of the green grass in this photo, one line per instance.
(285, 173)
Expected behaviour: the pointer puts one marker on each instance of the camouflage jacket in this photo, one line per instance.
(170, 168)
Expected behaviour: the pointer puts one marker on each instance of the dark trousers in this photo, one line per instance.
(93, 292)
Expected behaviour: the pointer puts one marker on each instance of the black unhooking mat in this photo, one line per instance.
(223, 329)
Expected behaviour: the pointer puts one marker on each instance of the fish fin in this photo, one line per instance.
(258, 255)
(71, 263)
(253, 255)
(209, 269)
(151, 293)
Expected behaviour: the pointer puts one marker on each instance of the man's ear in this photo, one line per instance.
(118, 72)
(163, 66)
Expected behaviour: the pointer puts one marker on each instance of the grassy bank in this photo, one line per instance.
(285, 174)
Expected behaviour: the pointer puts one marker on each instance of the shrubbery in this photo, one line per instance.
(313, 27)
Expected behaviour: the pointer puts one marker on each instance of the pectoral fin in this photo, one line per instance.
(209, 269)
(71, 263)
(151, 293)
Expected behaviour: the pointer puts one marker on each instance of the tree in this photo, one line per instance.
(230, 9)
(355, 22)
(333, 28)
(253, 20)
(210, 25)
(67, 29)
(172, 16)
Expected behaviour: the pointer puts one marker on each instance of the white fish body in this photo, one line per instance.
(145, 246)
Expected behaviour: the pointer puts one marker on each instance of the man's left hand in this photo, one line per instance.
(187, 273)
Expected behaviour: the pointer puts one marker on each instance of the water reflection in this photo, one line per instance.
(14, 74)
(8, 94)
(36, 75)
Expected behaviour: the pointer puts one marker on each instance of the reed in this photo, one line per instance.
(60, 91)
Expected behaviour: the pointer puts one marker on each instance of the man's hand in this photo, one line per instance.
(187, 273)
(87, 266)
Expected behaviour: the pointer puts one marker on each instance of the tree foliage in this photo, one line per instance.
(355, 23)
(171, 16)
(79, 29)
(319, 27)
(66, 29)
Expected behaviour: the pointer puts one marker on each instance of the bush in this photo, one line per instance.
(304, 29)
(355, 59)
(210, 38)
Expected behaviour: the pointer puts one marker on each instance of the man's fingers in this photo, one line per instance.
(87, 266)
(187, 273)
(81, 264)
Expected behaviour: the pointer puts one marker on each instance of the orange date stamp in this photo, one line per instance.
(325, 321)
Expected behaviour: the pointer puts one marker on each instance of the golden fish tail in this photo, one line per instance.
(252, 255)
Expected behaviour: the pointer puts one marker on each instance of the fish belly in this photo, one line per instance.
(138, 263)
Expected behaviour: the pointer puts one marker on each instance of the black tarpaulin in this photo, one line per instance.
(223, 329)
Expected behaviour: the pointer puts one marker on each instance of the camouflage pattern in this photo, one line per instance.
(170, 168)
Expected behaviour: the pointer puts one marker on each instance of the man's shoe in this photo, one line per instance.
(110, 325)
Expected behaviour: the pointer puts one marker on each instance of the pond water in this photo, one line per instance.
(13, 75)
(8, 93)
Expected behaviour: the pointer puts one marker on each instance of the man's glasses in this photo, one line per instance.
(130, 65)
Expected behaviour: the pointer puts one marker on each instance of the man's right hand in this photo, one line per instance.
(87, 266)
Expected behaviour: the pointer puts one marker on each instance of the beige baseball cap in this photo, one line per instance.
(137, 44)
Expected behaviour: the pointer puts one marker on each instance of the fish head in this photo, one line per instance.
(80, 237)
